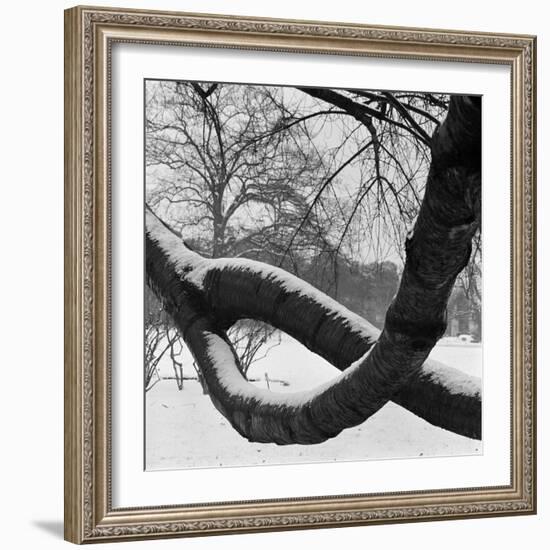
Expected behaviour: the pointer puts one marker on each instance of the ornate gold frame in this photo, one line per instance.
(89, 34)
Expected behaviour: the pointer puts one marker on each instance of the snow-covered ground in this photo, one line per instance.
(184, 430)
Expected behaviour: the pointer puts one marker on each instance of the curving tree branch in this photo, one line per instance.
(206, 296)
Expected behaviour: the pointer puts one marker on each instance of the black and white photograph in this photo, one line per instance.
(313, 274)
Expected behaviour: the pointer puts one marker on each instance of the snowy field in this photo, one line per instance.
(184, 430)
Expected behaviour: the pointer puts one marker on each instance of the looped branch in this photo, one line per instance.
(200, 295)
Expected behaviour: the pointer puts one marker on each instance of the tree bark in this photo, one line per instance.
(206, 296)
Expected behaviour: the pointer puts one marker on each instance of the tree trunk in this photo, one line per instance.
(206, 296)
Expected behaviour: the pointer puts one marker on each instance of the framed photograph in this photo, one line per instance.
(300, 274)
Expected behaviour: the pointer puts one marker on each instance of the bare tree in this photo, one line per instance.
(250, 343)
(225, 157)
(153, 354)
(157, 324)
(230, 166)
(207, 296)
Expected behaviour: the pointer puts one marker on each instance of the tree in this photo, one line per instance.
(207, 296)
(161, 339)
(215, 151)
